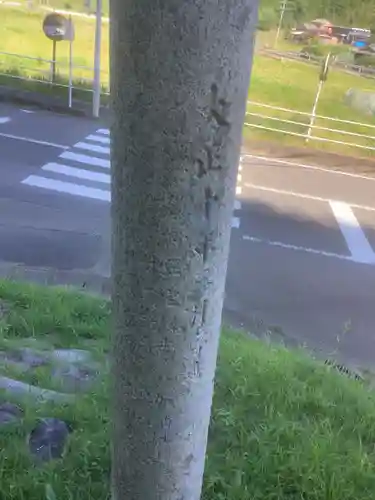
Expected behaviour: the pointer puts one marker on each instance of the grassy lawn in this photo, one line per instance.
(284, 427)
(288, 84)
(293, 85)
(22, 25)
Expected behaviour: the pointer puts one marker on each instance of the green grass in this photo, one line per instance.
(284, 427)
(18, 25)
(288, 84)
(73, 5)
(293, 85)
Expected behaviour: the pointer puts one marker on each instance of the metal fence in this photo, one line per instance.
(48, 72)
(364, 71)
(260, 116)
(295, 123)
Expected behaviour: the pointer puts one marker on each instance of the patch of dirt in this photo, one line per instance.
(309, 156)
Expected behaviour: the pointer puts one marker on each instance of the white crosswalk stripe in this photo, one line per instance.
(69, 188)
(87, 160)
(77, 172)
(92, 147)
(98, 138)
(83, 171)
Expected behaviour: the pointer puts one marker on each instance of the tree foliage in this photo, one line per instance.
(358, 13)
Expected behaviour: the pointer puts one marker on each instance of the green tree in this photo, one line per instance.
(179, 82)
(345, 12)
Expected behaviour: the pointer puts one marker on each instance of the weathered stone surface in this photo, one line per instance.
(25, 358)
(35, 358)
(73, 370)
(71, 355)
(73, 378)
(4, 309)
(21, 389)
(9, 413)
(47, 441)
(361, 100)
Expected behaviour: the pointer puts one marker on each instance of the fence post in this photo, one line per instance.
(51, 71)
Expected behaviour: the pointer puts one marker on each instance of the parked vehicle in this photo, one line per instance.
(320, 28)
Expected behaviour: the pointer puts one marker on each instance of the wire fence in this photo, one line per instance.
(364, 71)
(264, 117)
(49, 73)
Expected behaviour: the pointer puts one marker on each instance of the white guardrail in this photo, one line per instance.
(49, 72)
(301, 128)
(258, 116)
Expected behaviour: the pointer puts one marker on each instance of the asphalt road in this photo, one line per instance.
(303, 257)
(303, 239)
(41, 227)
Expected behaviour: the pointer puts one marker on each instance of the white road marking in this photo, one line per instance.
(89, 160)
(77, 172)
(237, 205)
(29, 111)
(351, 230)
(238, 190)
(309, 167)
(305, 196)
(98, 138)
(4, 119)
(68, 188)
(239, 177)
(296, 248)
(92, 147)
(235, 222)
(33, 141)
(104, 131)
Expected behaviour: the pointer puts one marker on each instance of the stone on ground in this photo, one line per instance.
(48, 439)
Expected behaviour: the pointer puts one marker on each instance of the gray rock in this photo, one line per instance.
(71, 355)
(9, 413)
(72, 369)
(47, 441)
(4, 309)
(73, 378)
(17, 389)
(361, 100)
(24, 358)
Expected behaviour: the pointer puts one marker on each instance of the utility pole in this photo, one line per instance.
(285, 6)
(282, 13)
(97, 51)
